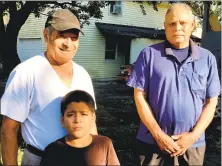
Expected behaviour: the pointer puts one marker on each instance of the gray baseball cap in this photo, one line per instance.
(63, 19)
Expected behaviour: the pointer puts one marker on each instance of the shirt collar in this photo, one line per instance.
(194, 53)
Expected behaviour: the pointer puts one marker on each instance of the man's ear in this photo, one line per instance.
(45, 34)
(62, 121)
(194, 24)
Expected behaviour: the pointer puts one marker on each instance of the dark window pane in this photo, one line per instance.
(110, 55)
(110, 45)
(110, 49)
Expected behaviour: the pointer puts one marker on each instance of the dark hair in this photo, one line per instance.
(77, 96)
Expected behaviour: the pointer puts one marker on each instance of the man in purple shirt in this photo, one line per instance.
(176, 86)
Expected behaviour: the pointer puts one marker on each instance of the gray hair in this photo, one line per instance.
(50, 29)
(179, 4)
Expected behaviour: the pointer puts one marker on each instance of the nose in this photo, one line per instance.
(178, 27)
(77, 119)
(67, 42)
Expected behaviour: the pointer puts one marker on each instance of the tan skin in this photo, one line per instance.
(9, 142)
(178, 24)
(60, 50)
(78, 120)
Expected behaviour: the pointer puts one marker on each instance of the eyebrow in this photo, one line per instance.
(73, 110)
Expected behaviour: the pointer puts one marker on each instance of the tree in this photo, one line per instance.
(197, 6)
(19, 11)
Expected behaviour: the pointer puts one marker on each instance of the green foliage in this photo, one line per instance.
(197, 6)
(83, 10)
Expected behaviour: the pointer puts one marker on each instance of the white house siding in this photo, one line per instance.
(27, 47)
(91, 54)
(138, 44)
(32, 29)
(132, 15)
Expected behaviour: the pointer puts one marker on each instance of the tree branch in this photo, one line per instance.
(73, 4)
(21, 3)
(12, 9)
(25, 11)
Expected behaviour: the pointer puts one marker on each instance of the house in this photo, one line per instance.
(109, 42)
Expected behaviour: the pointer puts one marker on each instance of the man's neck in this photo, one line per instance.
(180, 45)
(79, 142)
(58, 66)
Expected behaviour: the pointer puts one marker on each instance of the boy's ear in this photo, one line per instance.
(94, 117)
(62, 121)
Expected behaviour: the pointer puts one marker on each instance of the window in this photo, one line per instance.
(116, 7)
(111, 49)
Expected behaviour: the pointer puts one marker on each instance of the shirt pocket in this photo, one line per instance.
(199, 83)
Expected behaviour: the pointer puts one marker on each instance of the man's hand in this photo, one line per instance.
(166, 143)
(184, 141)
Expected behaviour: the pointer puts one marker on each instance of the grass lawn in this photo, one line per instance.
(117, 118)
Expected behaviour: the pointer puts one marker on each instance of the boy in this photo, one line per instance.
(79, 147)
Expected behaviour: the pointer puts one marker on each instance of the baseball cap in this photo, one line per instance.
(63, 19)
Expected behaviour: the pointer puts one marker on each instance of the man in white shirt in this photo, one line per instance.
(35, 87)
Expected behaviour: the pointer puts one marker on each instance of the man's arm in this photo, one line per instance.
(164, 141)
(9, 142)
(206, 117)
(185, 140)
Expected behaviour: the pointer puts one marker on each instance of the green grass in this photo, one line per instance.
(20, 154)
(117, 118)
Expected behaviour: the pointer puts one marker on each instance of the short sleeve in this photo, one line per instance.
(213, 81)
(112, 158)
(16, 98)
(139, 76)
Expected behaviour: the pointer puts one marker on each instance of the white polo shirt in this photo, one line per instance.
(33, 95)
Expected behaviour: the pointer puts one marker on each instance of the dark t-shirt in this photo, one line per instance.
(99, 152)
(180, 54)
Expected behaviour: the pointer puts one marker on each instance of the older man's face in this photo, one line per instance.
(62, 46)
(179, 24)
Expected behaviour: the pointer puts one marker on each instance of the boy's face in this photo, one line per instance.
(78, 119)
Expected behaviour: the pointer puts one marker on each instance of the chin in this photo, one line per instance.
(178, 41)
(63, 60)
(77, 136)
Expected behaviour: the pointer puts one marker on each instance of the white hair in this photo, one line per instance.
(179, 4)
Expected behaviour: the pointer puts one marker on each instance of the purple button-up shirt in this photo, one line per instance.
(176, 92)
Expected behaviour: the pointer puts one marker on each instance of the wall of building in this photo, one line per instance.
(138, 44)
(91, 53)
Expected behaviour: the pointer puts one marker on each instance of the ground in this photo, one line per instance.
(117, 118)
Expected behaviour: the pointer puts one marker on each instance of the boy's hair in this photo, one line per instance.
(77, 96)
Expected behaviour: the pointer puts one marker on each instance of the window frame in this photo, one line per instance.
(116, 50)
(121, 8)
